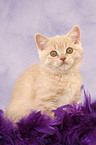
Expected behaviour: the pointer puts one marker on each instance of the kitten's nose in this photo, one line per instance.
(63, 58)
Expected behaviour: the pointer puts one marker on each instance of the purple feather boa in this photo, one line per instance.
(76, 126)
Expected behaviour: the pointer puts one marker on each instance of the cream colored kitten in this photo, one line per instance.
(54, 82)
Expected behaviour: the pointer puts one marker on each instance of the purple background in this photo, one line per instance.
(21, 19)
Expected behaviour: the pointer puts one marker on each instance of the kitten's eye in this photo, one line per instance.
(69, 50)
(53, 53)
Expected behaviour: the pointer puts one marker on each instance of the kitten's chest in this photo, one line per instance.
(57, 84)
(57, 90)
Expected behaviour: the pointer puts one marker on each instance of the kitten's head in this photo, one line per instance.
(60, 53)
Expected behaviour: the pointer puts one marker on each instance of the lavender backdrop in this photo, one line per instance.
(21, 19)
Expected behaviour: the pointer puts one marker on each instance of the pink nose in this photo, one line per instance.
(63, 58)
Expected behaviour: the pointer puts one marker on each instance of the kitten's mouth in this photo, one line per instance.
(63, 64)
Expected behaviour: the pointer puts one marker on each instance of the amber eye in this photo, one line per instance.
(53, 53)
(69, 50)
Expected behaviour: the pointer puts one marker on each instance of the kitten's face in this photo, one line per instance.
(60, 53)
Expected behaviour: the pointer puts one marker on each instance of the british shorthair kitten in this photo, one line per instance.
(54, 82)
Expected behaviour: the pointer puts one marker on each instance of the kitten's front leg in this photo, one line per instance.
(77, 97)
(46, 104)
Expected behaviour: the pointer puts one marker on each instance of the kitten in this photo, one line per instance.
(54, 82)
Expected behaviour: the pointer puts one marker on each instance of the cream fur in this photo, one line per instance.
(51, 83)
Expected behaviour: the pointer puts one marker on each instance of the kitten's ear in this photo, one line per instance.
(75, 34)
(41, 41)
